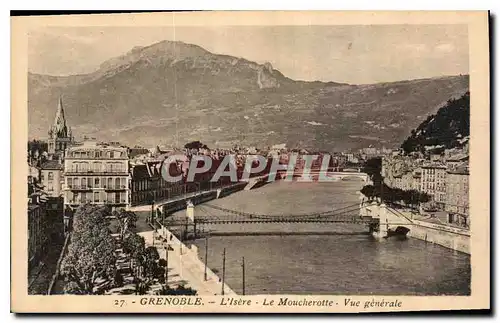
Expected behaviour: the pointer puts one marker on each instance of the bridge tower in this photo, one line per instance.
(384, 221)
(190, 219)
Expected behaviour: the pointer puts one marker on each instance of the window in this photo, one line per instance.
(84, 183)
(96, 197)
(89, 182)
(111, 154)
(117, 182)
(70, 182)
(117, 197)
(123, 182)
(76, 182)
(51, 176)
(123, 197)
(97, 167)
(96, 182)
(110, 182)
(98, 154)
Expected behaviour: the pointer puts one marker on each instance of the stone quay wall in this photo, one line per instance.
(441, 234)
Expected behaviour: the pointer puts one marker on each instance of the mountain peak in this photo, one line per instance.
(163, 50)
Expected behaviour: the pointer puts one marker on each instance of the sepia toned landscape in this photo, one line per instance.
(323, 162)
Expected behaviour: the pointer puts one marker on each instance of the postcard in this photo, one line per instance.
(250, 162)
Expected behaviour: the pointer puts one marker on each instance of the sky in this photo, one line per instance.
(355, 54)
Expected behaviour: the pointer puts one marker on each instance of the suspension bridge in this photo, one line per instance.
(213, 214)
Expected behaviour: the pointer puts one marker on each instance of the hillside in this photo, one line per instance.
(445, 129)
(172, 92)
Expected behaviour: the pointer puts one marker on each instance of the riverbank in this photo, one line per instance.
(185, 265)
(446, 236)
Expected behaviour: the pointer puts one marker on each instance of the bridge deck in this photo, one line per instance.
(247, 221)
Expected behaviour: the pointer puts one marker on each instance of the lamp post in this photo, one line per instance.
(206, 257)
(166, 262)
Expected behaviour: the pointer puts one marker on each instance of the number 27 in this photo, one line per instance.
(119, 303)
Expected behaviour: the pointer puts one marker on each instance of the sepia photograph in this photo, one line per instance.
(210, 164)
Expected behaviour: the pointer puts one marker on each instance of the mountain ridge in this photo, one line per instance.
(174, 93)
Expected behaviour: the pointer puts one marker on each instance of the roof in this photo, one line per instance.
(458, 157)
(462, 169)
(52, 164)
(433, 165)
(133, 152)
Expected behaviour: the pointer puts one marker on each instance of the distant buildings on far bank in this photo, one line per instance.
(444, 177)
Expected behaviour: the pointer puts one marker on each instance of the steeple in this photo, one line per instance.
(60, 135)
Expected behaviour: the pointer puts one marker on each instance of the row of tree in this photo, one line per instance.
(390, 195)
(91, 252)
(89, 266)
(373, 167)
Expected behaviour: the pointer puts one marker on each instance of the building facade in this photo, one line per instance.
(51, 177)
(96, 174)
(37, 239)
(433, 183)
(148, 185)
(457, 195)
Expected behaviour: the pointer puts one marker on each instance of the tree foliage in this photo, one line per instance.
(126, 221)
(394, 195)
(179, 290)
(37, 145)
(90, 256)
(195, 145)
(373, 167)
(135, 246)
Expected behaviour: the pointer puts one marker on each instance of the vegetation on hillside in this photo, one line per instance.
(442, 130)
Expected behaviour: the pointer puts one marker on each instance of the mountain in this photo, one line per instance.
(446, 129)
(173, 93)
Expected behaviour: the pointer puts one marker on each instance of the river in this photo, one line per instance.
(346, 261)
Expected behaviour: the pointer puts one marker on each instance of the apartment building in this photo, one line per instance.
(433, 182)
(51, 177)
(457, 194)
(96, 174)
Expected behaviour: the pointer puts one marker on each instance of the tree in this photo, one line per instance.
(90, 256)
(195, 145)
(373, 167)
(134, 245)
(150, 262)
(126, 221)
(180, 290)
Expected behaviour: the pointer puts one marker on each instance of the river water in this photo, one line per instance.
(345, 261)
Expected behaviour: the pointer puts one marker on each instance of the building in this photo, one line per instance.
(457, 195)
(51, 177)
(433, 183)
(455, 160)
(97, 174)
(37, 239)
(148, 185)
(60, 137)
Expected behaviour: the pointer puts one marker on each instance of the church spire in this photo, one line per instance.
(59, 128)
